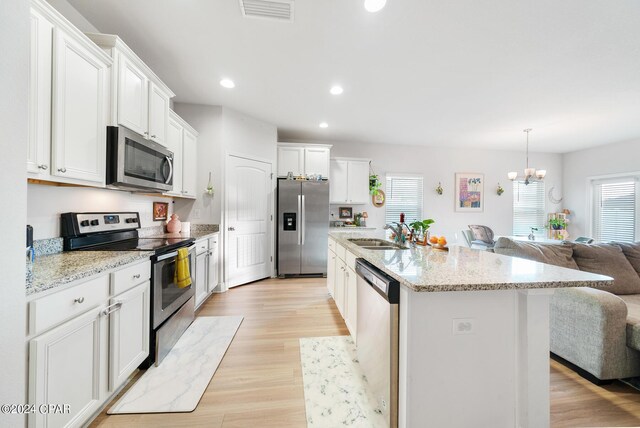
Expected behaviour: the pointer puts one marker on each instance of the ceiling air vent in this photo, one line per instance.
(278, 10)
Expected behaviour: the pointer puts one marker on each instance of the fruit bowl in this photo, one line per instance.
(439, 247)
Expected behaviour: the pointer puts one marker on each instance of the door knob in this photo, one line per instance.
(231, 228)
(43, 167)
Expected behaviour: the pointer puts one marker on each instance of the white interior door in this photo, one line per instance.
(247, 220)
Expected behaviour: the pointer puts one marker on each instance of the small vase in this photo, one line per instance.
(174, 225)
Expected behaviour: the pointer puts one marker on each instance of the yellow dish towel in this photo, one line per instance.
(182, 276)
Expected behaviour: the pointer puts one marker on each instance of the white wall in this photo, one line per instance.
(580, 165)
(46, 203)
(14, 75)
(72, 14)
(440, 165)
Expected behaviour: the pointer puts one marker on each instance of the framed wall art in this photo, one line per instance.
(469, 192)
(160, 211)
(345, 212)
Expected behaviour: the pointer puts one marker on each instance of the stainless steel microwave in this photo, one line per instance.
(137, 164)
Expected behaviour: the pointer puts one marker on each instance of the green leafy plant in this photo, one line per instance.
(557, 223)
(421, 227)
(374, 184)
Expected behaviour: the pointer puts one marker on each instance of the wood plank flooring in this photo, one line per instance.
(259, 382)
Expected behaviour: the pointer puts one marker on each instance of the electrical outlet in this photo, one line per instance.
(464, 326)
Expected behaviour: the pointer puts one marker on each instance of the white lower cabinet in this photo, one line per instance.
(212, 277)
(89, 341)
(206, 268)
(339, 292)
(351, 302)
(331, 272)
(202, 260)
(65, 366)
(342, 284)
(128, 333)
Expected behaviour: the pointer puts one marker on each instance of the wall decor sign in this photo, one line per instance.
(345, 212)
(378, 199)
(469, 192)
(160, 211)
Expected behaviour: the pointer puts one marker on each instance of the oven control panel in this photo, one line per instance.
(84, 223)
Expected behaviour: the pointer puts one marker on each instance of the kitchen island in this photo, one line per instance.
(473, 331)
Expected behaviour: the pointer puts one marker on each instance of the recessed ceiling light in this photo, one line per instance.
(323, 125)
(227, 83)
(336, 90)
(374, 5)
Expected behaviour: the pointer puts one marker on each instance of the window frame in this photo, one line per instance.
(513, 211)
(387, 193)
(592, 182)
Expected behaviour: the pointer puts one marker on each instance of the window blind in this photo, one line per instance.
(528, 207)
(615, 212)
(403, 195)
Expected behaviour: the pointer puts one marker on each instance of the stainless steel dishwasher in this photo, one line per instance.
(377, 343)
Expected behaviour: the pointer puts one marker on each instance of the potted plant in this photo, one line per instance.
(557, 224)
(374, 184)
(421, 228)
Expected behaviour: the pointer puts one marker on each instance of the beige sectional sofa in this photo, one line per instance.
(596, 330)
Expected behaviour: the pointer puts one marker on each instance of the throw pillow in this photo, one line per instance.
(608, 259)
(557, 255)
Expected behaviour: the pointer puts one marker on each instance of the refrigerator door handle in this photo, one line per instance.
(304, 219)
(299, 219)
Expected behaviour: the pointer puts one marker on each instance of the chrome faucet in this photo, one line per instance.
(399, 238)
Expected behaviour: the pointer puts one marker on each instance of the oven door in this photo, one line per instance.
(137, 163)
(167, 296)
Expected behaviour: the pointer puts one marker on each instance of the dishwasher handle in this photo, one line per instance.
(385, 285)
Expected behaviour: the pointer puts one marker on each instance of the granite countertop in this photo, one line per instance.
(463, 269)
(55, 270)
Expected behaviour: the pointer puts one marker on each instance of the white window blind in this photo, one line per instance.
(403, 195)
(615, 210)
(528, 207)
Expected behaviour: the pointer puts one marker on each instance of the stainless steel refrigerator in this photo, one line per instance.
(303, 227)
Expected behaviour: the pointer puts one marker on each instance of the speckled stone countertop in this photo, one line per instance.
(55, 270)
(463, 269)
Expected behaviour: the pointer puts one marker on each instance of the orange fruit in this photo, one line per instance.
(442, 241)
(433, 239)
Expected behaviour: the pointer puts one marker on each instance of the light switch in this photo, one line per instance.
(464, 326)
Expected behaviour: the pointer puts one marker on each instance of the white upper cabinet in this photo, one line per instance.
(39, 145)
(303, 159)
(68, 101)
(80, 111)
(158, 114)
(174, 144)
(349, 181)
(190, 163)
(132, 96)
(290, 159)
(140, 99)
(316, 161)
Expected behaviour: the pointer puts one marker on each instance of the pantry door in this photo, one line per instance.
(248, 194)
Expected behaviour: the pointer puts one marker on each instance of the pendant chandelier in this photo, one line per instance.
(530, 174)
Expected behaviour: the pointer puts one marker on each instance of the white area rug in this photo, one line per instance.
(178, 383)
(335, 388)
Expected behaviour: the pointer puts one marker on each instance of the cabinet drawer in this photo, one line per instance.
(351, 260)
(129, 277)
(341, 252)
(332, 245)
(213, 242)
(55, 308)
(202, 246)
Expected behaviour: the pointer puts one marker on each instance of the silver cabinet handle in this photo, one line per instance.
(299, 220)
(146, 133)
(211, 253)
(231, 228)
(153, 136)
(62, 170)
(112, 308)
(136, 276)
(168, 159)
(304, 219)
(43, 167)
(79, 300)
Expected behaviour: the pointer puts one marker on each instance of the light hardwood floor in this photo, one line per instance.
(259, 382)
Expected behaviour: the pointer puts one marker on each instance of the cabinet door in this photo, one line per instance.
(39, 143)
(316, 161)
(65, 366)
(331, 273)
(212, 278)
(338, 182)
(158, 114)
(340, 286)
(190, 164)
(352, 302)
(174, 144)
(358, 182)
(133, 101)
(290, 159)
(80, 111)
(201, 278)
(128, 333)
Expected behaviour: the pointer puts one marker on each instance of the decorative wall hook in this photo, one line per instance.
(439, 189)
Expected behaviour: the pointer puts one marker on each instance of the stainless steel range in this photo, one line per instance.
(173, 308)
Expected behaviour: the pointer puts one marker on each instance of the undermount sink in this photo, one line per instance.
(377, 244)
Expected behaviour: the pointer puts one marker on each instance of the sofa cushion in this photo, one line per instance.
(633, 320)
(608, 259)
(632, 253)
(558, 255)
